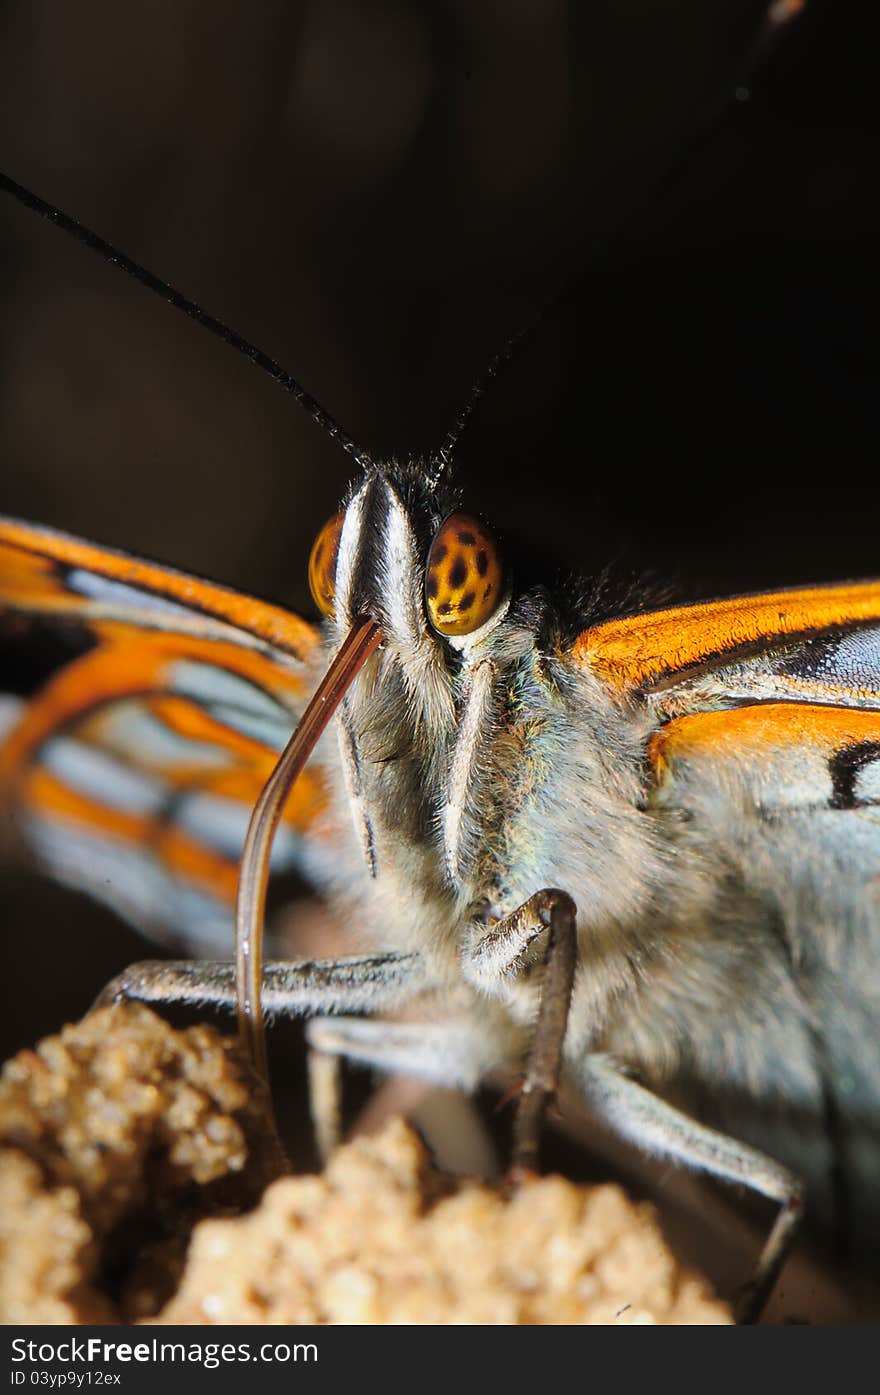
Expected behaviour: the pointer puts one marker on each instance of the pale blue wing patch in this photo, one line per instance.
(840, 670)
(845, 668)
(130, 728)
(117, 595)
(233, 701)
(222, 824)
(97, 804)
(129, 880)
(156, 706)
(867, 784)
(10, 710)
(101, 777)
(132, 876)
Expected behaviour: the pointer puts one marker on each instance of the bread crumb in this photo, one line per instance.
(382, 1238)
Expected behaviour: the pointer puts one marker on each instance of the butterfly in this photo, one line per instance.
(699, 782)
(704, 782)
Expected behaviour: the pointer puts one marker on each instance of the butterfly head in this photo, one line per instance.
(399, 552)
(401, 561)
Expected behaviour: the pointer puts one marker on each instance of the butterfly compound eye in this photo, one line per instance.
(464, 580)
(322, 564)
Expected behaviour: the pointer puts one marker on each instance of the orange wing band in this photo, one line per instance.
(127, 668)
(30, 556)
(651, 651)
(763, 730)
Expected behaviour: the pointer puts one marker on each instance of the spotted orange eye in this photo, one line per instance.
(322, 564)
(464, 580)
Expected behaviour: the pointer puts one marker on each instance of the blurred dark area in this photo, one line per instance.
(378, 193)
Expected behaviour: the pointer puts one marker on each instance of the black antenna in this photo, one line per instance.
(456, 430)
(195, 312)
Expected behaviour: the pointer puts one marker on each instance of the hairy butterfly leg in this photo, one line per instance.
(293, 988)
(447, 1052)
(637, 1114)
(504, 949)
(325, 1100)
(545, 1055)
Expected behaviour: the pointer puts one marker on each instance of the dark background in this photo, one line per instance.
(378, 194)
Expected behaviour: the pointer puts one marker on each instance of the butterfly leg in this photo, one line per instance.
(294, 988)
(446, 1053)
(657, 1127)
(450, 1052)
(325, 1100)
(501, 951)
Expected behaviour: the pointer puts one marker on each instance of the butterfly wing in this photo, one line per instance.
(145, 710)
(762, 717)
(764, 708)
(781, 684)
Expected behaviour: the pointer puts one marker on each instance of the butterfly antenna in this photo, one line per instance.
(456, 431)
(195, 312)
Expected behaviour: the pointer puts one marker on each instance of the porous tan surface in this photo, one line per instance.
(129, 1150)
(116, 1136)
(382, 1238)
